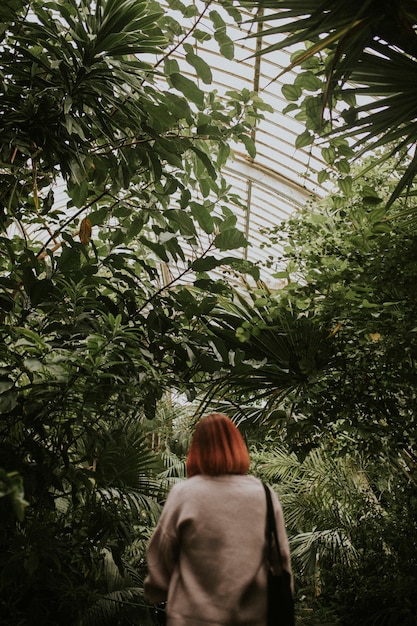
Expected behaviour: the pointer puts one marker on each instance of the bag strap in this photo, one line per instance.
(271, 528)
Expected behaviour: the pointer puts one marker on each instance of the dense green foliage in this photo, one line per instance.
(329, 361)
(350, 520)
(110, 174)
(113, 212)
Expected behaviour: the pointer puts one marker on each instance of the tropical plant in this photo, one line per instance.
(360, 55)
(341, 513)
(328, 359)
(111, 193)
(339, 327)
(119, 597)
(121, 601)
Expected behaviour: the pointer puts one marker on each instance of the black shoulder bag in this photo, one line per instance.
(280, 599)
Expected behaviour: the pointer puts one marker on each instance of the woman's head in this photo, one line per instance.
(217, 448)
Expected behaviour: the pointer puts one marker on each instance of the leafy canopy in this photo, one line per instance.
(113, 214)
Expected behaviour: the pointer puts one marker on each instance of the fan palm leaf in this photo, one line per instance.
(121, 601)
(267, 355)
(350, 23)
(323, 497)
(374, 50)
(387, 84)
(174, 469)
(333, 544)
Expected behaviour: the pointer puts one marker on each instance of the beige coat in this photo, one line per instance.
(207, 554)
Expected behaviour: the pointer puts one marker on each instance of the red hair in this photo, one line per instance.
(217, 448)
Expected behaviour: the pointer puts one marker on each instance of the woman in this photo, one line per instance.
(207, 554)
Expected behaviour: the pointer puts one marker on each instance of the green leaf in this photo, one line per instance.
(206, 264)
(223, 154)
(229, 219)
(289, 108)
(204, 185)
(226, 45)
(182, 220)
(281, 275)
(205, 160)
(243, 266)
(218, 21)
(201, 67)
(78, 192)
(203, 217)
(70, 259)
(291, 92)
(308, 81)
(179, 107)
(188, 88)
(99, 216)
(372, 200)
(191, 11)
(369, 305)
(343, 166)
(322, 176)
(230, 239)
(32, 337)
(346, 185)
(185, 198)
(370, 195)
(157, 248)
(249, 145)
(171, 66)
(305, 139)
(201, 35)
(329, 154)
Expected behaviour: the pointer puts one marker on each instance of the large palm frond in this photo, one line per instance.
(122, 602)
(323, 497)
(263, 354)
(371, 49)
(353, 25)
(387, 83)
(174, 469)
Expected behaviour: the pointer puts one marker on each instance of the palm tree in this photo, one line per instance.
(339, 518)
(367, 53)
(134, 470)
(322, 496)
(265, 353)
